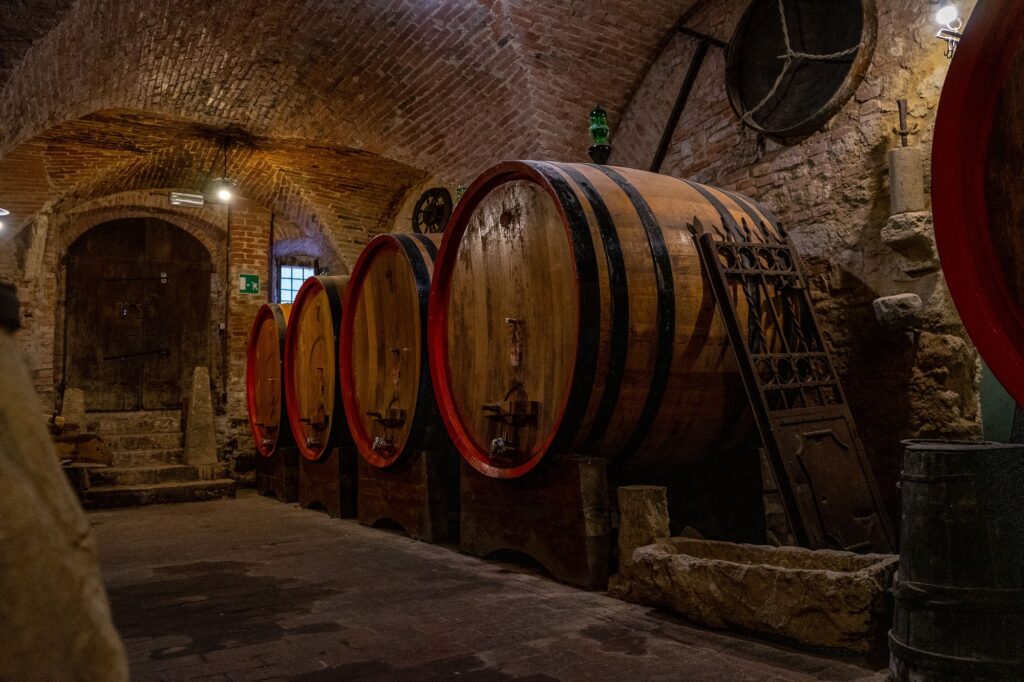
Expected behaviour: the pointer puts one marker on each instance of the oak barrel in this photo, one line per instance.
(384, 370)
(960, 588)
(569, 314)
(264, 379)
(315, 414)
(977, 186)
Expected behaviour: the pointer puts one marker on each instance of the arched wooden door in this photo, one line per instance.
(138, 314)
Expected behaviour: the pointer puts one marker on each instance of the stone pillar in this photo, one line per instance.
(54, 608)
(200, 434)
(73, 408)
(643, 518)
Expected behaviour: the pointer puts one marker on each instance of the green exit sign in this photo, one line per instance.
(248, 284)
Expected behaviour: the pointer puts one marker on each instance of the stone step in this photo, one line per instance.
(141, 458)
(143, 475)
(106, 497)
(122, 442)
(141, 421)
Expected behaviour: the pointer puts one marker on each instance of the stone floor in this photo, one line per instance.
(253, 589)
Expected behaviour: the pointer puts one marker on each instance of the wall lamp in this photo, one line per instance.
(948, 18)
(3, 212)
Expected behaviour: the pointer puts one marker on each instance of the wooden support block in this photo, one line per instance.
(329, 483)
(278, 475)
(416, 492)
(558, 516)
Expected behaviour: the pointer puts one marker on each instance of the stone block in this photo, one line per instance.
(643, 518)
(902, 311)
(912, 237)
(73, 408)
(200, 435)
(819, 598)
(54, 607)
(906, 180)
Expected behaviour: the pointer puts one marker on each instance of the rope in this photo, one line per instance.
(789, 57)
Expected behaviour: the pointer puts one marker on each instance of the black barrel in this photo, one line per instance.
(960, 589)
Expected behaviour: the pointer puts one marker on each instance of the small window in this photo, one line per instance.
(291, 278)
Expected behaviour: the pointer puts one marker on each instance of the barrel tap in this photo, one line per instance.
(515, 409)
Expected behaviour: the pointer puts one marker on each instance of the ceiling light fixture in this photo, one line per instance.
(224, 187)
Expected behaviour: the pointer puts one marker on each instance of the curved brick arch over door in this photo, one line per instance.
(138, 314)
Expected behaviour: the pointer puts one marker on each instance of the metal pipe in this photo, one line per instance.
(686, 30)
(680, 104)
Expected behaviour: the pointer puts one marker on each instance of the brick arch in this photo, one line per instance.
(212, 237)
(312, 248)
(346, 194)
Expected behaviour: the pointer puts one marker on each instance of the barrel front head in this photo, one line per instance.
(314, 406)
(503, 321)
(384, 371)
(264, 379)
(976, 186)
(569, 314)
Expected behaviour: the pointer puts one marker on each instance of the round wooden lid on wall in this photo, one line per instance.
(264, 379)
(384, 370)
(793, 64)
(315, 413)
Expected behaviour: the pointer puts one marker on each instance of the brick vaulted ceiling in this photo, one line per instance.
(334, 99)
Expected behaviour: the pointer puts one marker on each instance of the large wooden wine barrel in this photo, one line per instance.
(315, 414)
(264, 379)
(569, 314)
(978, 188)
(384, 370)
(960, 588)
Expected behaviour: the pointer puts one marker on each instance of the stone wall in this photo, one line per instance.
(831, 193)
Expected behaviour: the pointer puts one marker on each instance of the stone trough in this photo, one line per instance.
(819, 598)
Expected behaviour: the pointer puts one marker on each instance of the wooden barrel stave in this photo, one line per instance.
(960, 587)
(315, 413)
(382, 349)
(264, 379)
(649, 357)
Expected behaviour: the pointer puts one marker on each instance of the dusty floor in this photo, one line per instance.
(253, 589)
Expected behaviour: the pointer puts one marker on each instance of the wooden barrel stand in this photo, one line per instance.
(419, 493)
(278, 474)
(558, 517)
(329, 483)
